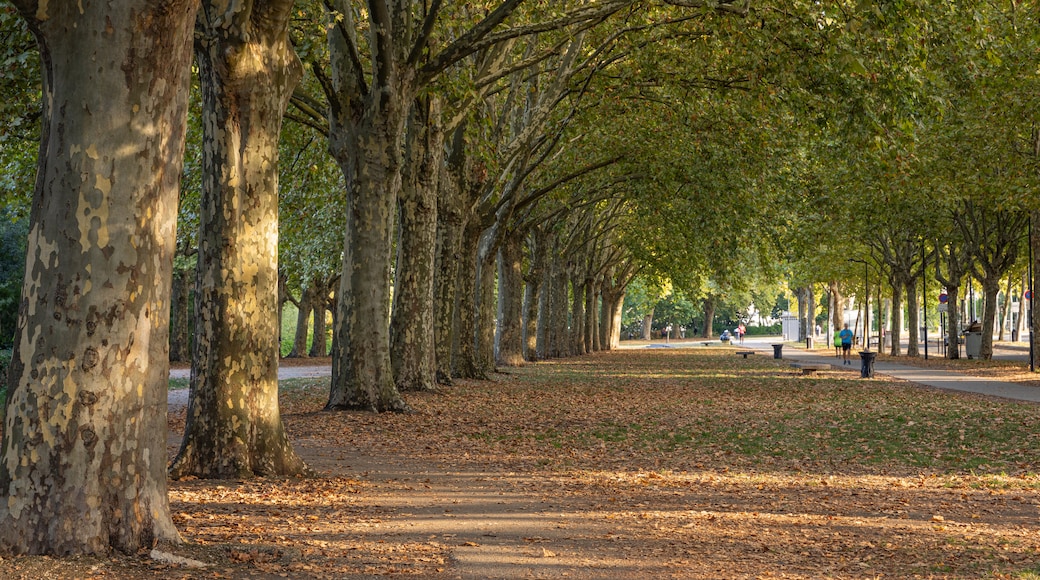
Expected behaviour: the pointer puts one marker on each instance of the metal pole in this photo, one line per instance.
(1032, 357)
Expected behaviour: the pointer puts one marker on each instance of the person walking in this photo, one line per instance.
(741, 331)
(846, 344)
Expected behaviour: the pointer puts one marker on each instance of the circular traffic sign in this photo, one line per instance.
(944, 298)
(1029, 294)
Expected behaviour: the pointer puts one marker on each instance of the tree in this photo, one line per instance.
(234, 428)
(83, 461)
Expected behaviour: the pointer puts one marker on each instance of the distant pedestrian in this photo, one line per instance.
(846, 344)
(682, 332)
(741, 331)
(837, 343)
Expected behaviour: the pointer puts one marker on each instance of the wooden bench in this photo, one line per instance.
(706, 343)
(745, 352)
(811, 368)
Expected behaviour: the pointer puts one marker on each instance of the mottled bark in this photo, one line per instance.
(913, 313)
(613, 303)
(366, 138)
(486, 324)
(510, 302)
(412, 347)
(450, 223)
(837, 311)
(362, 375)
(303, 317)
(576, 336)
(83, 465)
(534, 296)
(1016, 334)
(990, 289)
(234, 427)
(953, 323)
(180, 344)
(802, 295)
(464, 357)
(319, 309)
(896, 333)
(559, 312)
(591, 319)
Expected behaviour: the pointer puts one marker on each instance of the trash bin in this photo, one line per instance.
(776, 350)
(867, 357)
(972, 344)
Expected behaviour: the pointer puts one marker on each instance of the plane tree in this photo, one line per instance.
(83, 455)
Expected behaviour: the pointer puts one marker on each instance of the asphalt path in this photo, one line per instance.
(937, 378)
(941, 379)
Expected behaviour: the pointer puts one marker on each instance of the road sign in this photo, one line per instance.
(944, 307)
(944, 298)
(1029, 294)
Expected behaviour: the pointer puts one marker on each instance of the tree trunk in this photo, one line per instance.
(1033, 321)
(914, 314)
(648, 326)
(1005, 311)
(83, 466)
(303, 315)
(450, 224)
(464, 359)
(576, 335)
(486, 327)
(591, 318)
(180, 344)
(320, 308)
(1020, 321)
(897, 318)
(990, 289)
(837, 310)
(953, 322)
(369, 156)
(613, 303)
(534, 293)
(709, 317)
(234, 428)
(510, 302)
(560, 311)
(802, 295)
(412, 346)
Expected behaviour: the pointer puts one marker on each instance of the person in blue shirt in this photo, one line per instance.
(846, 344)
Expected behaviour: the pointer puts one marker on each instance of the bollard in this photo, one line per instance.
(867, 370)
(776, 350)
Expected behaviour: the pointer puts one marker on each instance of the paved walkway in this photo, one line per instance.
(930, 377)
(941, 379)
(937, 378)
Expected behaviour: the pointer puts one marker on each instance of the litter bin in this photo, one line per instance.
(972, 344)
(867, 357)
(776, 350)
